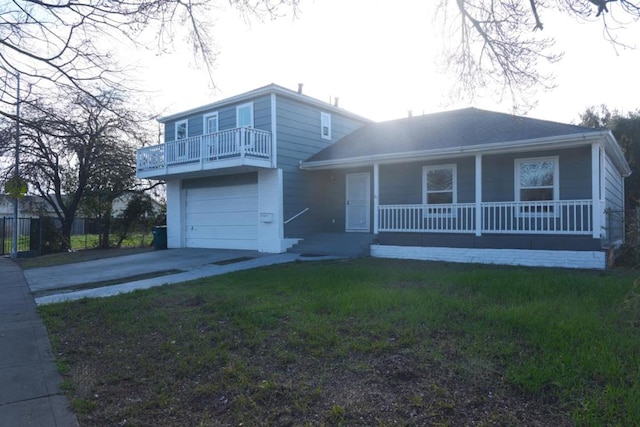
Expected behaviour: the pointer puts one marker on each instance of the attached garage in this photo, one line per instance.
(222, 212)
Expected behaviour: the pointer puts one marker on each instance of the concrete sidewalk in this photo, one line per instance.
(29, 380)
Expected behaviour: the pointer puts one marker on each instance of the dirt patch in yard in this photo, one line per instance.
(184, 377)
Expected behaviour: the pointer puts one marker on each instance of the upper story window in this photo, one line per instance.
(325, 125)
(182, 130)
(536, 179)
(244, 115)
(439, 184)
(210, 123)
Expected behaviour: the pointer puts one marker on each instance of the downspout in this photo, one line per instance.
(274, 133)
(376, 197)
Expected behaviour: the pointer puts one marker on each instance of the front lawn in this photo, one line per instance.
(358, 342)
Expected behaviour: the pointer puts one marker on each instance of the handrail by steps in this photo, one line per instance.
(296, 215)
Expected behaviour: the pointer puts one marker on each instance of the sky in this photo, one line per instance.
(380, 58)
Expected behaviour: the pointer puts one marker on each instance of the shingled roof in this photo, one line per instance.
(452, 130)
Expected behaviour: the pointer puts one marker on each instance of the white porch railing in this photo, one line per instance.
(542, 217)
(546, 217)
(227, 144)
(458, 218)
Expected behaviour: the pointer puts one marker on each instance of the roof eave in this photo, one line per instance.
(505, 146)
(265, 90)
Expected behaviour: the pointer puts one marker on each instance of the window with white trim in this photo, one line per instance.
(537, 180)
(244, 115)
(210, 123)
(182, 130)
(181, 134)
(325, 125)
(439, 184)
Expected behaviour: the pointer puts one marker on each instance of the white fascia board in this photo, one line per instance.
(265, 90)
(460, 151)
(613, 148)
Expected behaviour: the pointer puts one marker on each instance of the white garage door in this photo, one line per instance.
(223, 217)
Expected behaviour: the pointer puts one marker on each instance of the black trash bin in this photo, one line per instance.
(159, 237)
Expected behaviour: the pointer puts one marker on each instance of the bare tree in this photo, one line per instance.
(71, 43)
(499, 43)
(77, 146)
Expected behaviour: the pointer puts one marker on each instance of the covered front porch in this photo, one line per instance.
(479, 218)
(488, 193)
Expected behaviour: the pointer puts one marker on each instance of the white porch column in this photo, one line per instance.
(478, 183)
(595, 190)
(376, 196)
(175, 214)
(270, 211)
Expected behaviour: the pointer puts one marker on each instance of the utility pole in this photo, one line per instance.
(14, 243)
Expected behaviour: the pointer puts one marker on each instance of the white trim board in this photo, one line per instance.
(522, 257)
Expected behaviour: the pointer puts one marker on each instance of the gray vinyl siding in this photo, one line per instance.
(328, 205)
(298, 135)
(614, 201)
(226, 118)
(402, 183)
(498, 176)
(194, 127)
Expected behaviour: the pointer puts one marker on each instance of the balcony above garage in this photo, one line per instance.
(232, 148)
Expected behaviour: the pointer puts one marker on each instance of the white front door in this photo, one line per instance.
(358, 202)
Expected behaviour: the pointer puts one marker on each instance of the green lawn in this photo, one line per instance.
(359, 342)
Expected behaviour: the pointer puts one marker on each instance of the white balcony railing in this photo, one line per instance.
(544, 217)
(227, 144)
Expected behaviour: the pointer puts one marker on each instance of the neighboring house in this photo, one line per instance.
(35, 206)
(120, 204)
(28, 207)
(266, 168)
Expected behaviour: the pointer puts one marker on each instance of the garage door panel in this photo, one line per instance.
(222, 217)
(222, 244)
(228, 232)
(223, 207)
(238, 218)
(231, 192)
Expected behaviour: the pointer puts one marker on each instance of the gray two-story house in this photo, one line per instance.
(232, 168)
(267, 168)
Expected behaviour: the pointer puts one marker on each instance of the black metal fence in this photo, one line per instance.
(7, 227)
(36, 236)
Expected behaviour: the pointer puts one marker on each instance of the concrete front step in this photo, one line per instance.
(339, 244)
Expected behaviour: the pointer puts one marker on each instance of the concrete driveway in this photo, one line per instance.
(116, 268)
(185, 264)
